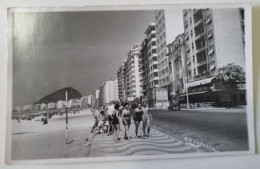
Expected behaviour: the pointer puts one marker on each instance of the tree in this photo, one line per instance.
(229, 76)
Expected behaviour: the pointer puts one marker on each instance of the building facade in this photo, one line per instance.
(110, 91)
(133, 89)
(101, 95)
(121, 76)
(148, 66)
(177, 65)
(214, 38)
(164, 25)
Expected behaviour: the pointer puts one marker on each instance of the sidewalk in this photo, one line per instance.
(157, 143)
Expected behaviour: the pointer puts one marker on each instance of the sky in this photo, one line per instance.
(53, 50)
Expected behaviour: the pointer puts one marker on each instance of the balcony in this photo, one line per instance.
(201, 35)
(154, 63)
(200, 63)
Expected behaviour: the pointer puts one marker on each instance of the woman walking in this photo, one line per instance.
(126, 117)
(147, 117)
(138, 119)
(115, 122)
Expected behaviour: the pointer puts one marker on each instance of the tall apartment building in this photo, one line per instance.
(110, 91)
(101, 95)
(97, 94)
(164, 20)
(177, 65)
(132, 73)
(96, 98)
(121, 76)
(214, 38)
(148, 65)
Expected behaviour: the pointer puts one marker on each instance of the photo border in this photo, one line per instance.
(248, 70)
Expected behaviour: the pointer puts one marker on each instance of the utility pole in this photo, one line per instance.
(66, 95)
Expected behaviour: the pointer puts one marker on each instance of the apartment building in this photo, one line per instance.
(121, 76)
(214, 38)
(110, 91)
(177, 65)
(101, 95)
(133, 89)
(148, 65)
(164, 26)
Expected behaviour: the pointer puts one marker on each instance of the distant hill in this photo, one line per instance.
(60, 95)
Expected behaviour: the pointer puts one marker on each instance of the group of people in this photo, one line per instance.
(114, 115)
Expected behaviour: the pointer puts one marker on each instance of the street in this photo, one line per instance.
(173, 132)
(223, 129)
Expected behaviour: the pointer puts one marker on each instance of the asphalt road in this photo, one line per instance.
(223, 129)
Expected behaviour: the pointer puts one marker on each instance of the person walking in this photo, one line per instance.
(126, 118)
(115, 123)
(147, 118)
(138, 113)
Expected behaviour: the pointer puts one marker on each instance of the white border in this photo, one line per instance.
(249, 83)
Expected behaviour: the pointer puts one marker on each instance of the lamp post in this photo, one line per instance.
(66, 117)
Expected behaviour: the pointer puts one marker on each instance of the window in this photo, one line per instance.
(166, 70)
(194, 72)
(167, 79)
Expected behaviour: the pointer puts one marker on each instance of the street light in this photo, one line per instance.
(66, 96)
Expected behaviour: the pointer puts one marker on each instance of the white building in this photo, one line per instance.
(61, 104)
(132, 73)
(110, 91)
(24, 108)
(97, 94)
(83, 101)
(89, 100)
(165, 26)
(51, 105)
(71, 103)
(43, 106)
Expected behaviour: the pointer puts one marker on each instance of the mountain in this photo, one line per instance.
(60, 95)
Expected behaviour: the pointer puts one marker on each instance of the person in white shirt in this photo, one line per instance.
(110, 111)
(147, 117)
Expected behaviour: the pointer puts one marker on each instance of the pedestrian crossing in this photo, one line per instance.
(157, 144)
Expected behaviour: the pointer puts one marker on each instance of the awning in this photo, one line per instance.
(200, 82)
(211, 51)
(189, 94)
(212, 67)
